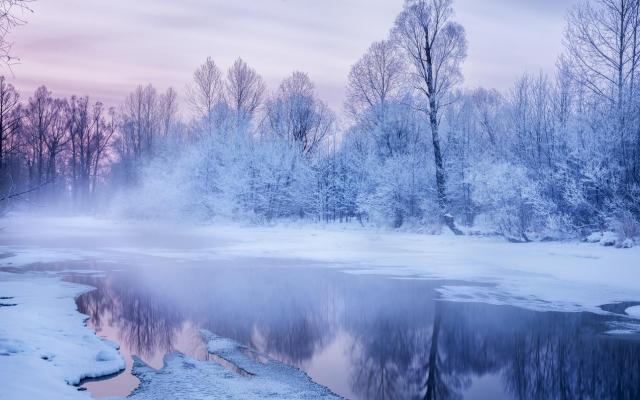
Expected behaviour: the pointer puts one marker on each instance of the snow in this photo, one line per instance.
(44, 346)
(608, 238)
(34, 254)
(571, 275)
(41, 332)
(627, 243)
(185, 378)
(595, 237)
(633, 311)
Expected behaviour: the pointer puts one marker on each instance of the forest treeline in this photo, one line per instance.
(557, 155)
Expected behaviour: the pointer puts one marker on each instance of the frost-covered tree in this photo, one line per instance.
(603, 56)
(168, 111)
(377, 96)
(603, 45)
(436, 46)
(509, 197)
(244, 91)
(296, 113)
(205, 92)
(376, 79)
(556, 155)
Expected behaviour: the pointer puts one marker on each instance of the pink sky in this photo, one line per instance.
(106, 48)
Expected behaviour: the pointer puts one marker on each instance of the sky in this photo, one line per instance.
(106, 48)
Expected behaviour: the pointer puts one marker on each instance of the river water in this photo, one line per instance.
(363, 336)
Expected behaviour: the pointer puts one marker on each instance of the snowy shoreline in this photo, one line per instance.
(45, 347)
(47, 351)
(569, 276)
(562, 276)
(45, 335)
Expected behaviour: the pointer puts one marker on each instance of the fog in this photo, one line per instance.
(294, 199)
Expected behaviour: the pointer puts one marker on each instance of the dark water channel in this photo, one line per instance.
(364, 337)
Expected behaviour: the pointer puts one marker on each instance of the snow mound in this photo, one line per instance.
(608, 238)
(595, 237)
(44, 345)
(188, 379)
(627, 243)
(633, 311)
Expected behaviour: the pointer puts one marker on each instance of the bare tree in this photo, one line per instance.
(296, 113)
(90, 131)
(374, 79)
(11, 15)
(56, 139)
(46, 137)
(205, 92)
(436, 46)
(245, 91)
(9, 119)
(39, 118)
(104, 127)
(139, 125)
(168, 104)
(140, 120)
(79, 131)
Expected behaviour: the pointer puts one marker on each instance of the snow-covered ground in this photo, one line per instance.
(43, 334)
(45, 349)
(44, 346)
(185, 378)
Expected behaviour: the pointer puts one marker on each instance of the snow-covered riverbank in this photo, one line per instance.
(551, 275)
(45, 349)
(44, 344)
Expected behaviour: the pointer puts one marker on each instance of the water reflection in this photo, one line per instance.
(146, 323)
(388, 338)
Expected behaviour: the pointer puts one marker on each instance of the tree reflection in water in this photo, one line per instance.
(403, 344)
(146, 323)
(398, 352)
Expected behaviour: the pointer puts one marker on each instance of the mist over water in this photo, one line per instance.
(365, 337)
(345, 201)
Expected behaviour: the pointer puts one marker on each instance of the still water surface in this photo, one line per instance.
(364, 337)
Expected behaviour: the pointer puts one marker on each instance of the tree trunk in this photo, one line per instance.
(441, 184)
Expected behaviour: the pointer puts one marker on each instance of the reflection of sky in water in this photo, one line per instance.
(364, 337)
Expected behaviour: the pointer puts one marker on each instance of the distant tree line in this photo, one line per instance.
(555, 156)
